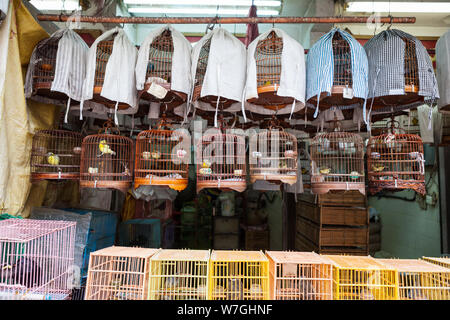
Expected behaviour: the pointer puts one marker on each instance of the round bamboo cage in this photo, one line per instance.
(55, 155)
(395, 161)
(273, 157)
(162, 159)
(337, 162)
(268, 72)
(220, 162)
(106, 162)
(159, 73)
(342, 76)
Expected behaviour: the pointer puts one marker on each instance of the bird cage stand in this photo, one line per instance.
(396, 161)
(157, 154)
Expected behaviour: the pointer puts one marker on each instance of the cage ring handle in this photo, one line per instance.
(109, 125)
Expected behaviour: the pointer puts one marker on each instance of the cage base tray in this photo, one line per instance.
(54, 176)
(172, 99)
(175, 184)
(44, 89)
(122, 186)
(411, 96)
(212, 100)
(238, 186)
(325, 187)
(268, 98)
(377, 186)
(335, 99)
(274, 178)
(108, 103)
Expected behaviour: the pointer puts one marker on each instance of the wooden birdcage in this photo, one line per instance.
(395, 161)
(300, 276)
(107, 160)
(337, 162)
(443, 261)
(342, 77)
(55, 155)
(268, 72)
(179, 275)
(238, 275)
(162, 158)
(420, 280)
(220, 162)
(363, 278)
(273, 156)
(159, 73)
(119, 273)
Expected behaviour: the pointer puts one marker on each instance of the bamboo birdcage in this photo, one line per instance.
(273, 156)
(162, 158)
(395, 161)
(179, 275)
(119, 273)
(337, 162)
(36, 258)
(363, 278)
(220, 162)
(420, 280)
(443, 261)
(300, 276)
(159, 72)
(238, 275)
(55, 155)
(107, 160)
(342, 77)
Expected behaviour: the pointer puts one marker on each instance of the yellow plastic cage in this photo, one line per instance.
(363, 278)
(443, 261)
(420, 280)
(300, 276)
(179, 275)
(119, 273)
(238, 275)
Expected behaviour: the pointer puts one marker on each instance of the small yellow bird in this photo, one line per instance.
(146, 155)
(156, 155)
(267, 83)
(325, 170)
(52, 159)
(105, 148)
(206, 163)
(377, 167)
(304, 171)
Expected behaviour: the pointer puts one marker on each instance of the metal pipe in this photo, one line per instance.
(219, 20)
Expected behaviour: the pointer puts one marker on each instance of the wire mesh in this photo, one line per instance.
(55, 154)
(337, 162)
(396, 162)
(119, 273)
(179, 275)
(444, 261)
(273, 156)
(35, 259)
(220, 162)
(363, 278)
(238, 275)
(161, 159)
(106, 162)
(420, 280)
(300, 276)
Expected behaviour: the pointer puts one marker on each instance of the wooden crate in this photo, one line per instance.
(257, 240)
(351, 198)
(304, 244)
(326, 215)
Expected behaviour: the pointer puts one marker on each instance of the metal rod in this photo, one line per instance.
(219, 20)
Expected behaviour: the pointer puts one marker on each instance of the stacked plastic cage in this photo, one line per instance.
(119, 273)
(36, 257)
(238, 275)
(363, 278)
(420, 280)
(55, 155)
(337, 162)
(179, 275)
(144, 233)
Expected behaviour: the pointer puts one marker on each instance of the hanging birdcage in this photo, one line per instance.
(275, 74)
(395, 161)
(158, 77)
(273, 156)
(220, 162)
(162, 158)
(300, 276)
(337, 72)
(107, 161)
(57, 68)
(55, 155)
(401, 74)
(337, 162)
(420, 280)
(443, 71)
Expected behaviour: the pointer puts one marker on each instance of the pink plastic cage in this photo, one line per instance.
(36, 259)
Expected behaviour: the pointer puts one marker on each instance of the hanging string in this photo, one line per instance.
(66, 116)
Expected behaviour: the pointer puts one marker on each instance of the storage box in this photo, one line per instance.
(228, 241)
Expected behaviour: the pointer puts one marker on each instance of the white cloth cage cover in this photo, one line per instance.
(225, 72)
(443, 69)
(292, 77)
(119, 84)
(69, 68)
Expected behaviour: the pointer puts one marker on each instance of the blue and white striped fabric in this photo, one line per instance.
(320, 67)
